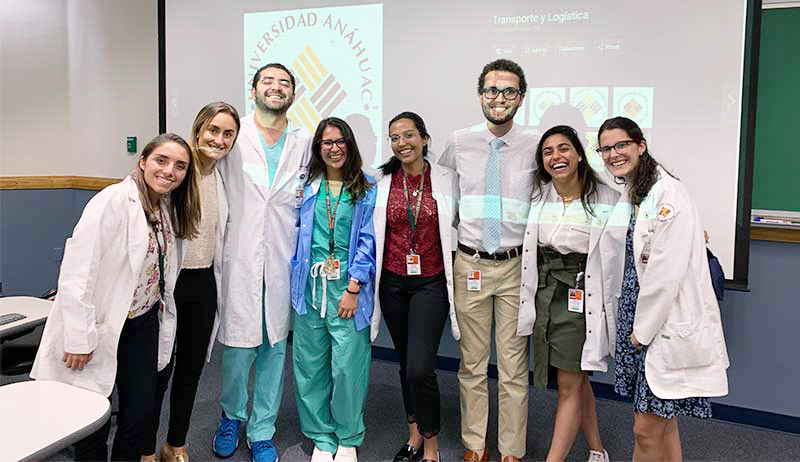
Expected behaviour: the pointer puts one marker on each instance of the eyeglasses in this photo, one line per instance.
(328, 144)
(509, 93)
(408, 136)
(618, 147)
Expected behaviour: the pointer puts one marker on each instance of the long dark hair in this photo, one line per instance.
(354, 179)
(394, 164)
(184, 203)
(586, 175)
(646, 173)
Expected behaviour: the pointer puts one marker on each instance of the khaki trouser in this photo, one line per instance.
(498, 297)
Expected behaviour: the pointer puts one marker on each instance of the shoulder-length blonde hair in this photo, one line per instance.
(202, 120)
(184, 201)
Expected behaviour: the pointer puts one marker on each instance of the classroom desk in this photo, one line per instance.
(42, 417)
(36, 310)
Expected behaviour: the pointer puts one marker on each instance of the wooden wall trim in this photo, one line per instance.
(775, 234)
(56, 182)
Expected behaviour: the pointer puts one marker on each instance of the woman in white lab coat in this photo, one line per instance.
(670, 349)
(416, 297)
(571, 268)
(113, 320)
(213, 134)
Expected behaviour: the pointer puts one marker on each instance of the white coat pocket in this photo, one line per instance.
(686, 345)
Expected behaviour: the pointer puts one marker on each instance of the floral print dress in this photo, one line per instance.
(629, 364)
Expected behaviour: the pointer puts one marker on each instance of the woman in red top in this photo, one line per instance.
(413, 225)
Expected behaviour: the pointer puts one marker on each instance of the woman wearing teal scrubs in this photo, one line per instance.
(333, 273)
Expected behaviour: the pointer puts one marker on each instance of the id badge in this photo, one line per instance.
(413, 265)
(575, 304)
(474, 281)
(333, 273)
(646, 253)
(298, 191)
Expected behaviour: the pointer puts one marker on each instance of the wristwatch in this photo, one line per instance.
(357, 281)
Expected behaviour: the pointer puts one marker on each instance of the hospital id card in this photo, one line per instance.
(575, 303)
(413, 265)
(474, 281)
(332, 269)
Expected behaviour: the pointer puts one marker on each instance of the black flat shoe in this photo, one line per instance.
(408, 453)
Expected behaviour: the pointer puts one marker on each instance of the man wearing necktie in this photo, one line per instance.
(495, 163)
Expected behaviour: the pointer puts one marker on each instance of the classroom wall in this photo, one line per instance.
(76, 78)
(62, 62)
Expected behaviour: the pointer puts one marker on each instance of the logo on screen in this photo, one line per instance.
(543, 99)
(319, 94)
(635, 104)
(335, 55)
(592, 102)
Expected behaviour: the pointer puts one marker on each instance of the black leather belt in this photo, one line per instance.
(504, 255)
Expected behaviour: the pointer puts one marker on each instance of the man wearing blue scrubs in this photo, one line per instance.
(263, 176)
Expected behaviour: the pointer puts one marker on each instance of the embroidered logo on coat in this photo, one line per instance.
(666, 212)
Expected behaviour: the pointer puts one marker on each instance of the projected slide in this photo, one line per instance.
(676, 68)
(336, 56)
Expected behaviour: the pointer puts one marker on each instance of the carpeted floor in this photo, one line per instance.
(385, 426)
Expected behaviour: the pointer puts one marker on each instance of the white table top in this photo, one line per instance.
(36, 310)
(41, 417)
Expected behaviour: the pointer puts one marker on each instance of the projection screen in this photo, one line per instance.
(677, 68)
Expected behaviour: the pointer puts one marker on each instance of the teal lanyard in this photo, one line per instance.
(414, 214)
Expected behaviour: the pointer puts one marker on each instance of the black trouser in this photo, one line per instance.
(196, 300)
(415, 310)
(137, 361)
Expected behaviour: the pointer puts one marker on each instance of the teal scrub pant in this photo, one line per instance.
(267, 386)
(331, 373)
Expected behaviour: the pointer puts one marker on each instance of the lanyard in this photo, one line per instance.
(414, 214)
(162, 284)
(331, 215)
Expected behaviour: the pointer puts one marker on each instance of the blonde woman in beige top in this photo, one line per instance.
(213, 133)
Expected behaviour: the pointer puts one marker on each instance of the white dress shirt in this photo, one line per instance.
(565, 229)
(466, 152)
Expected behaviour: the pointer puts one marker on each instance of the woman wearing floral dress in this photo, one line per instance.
(670, 348)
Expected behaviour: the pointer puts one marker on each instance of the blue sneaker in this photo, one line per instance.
(226, 440)
(263, 451)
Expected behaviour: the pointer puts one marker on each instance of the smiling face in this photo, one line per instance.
(333, 150)
(273, 91)
(164, 169)
(620, 153)
(216, 141)
(500, 110)
(560, 158)
(407, 143)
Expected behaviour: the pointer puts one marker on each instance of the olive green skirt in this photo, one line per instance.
(558, 334)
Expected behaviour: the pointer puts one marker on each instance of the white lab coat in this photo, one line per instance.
(260, 237)
(604, 269)
(677, 313)
(96, 284)
(444, 183)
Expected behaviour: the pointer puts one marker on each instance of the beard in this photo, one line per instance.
(274, 108)
(487, 112)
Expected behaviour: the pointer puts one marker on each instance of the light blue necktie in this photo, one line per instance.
(492, 199)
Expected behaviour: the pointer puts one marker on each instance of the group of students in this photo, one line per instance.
(254, 221)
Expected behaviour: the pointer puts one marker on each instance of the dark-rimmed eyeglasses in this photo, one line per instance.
(509, 93)
(328, 144)
(619, 146)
